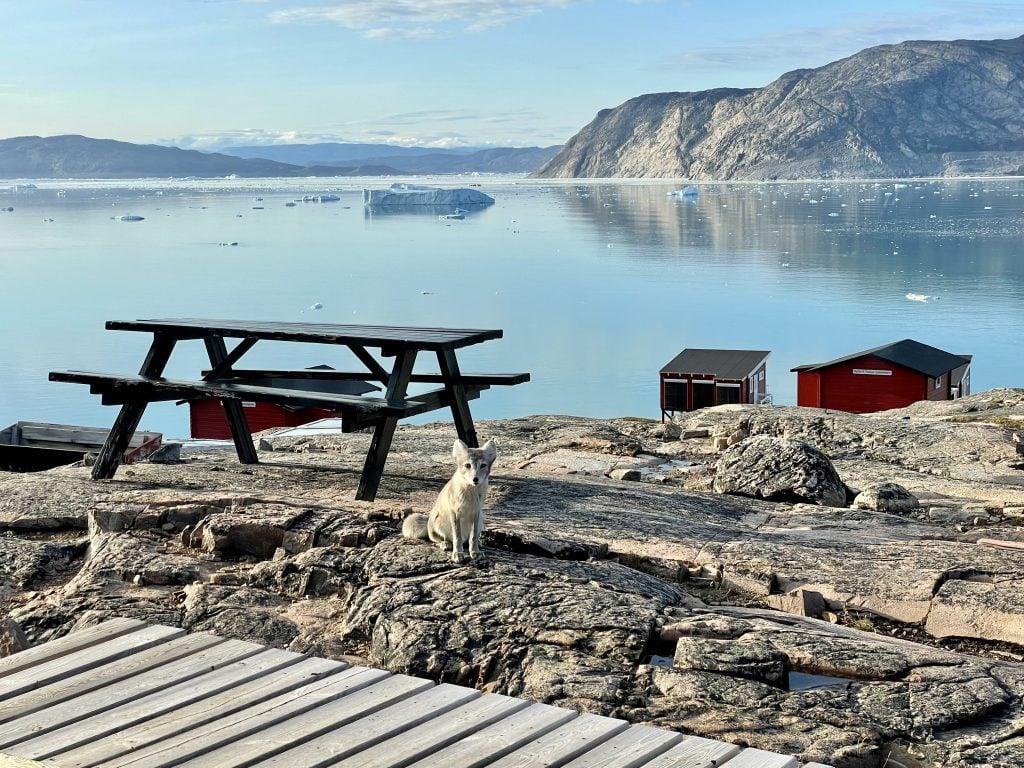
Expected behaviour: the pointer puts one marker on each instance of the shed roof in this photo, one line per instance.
(908, 353)
(721, 363)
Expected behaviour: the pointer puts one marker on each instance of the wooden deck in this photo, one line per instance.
(127, 694)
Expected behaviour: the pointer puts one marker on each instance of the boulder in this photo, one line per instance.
(778, 469)
(886, 497)
(625, 473)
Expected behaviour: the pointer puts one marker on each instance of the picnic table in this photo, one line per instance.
(233, 385)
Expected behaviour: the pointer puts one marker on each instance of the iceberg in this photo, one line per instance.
(418, 194)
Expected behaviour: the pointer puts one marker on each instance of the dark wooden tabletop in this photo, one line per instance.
(318, 333)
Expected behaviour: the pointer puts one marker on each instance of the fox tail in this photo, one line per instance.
(415, 526)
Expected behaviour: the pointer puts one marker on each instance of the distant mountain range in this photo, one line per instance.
(921, 108)
(415, 160)
(72, 157)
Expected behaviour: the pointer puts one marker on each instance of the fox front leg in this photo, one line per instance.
(474, 543)
(457, 541)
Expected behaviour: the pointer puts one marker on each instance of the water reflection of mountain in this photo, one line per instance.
(960, 230)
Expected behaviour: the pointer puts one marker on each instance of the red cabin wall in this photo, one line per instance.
(207, 419)
(808, 389)
(938, 388)
(844, 390)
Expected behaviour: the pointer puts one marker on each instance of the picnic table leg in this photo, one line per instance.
(128, 419)
(457, 394)
(383, 433)
(233, 409)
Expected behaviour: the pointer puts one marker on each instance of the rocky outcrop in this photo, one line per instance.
(781, 470)
(644, 599)
(886, 497)
(920, 108)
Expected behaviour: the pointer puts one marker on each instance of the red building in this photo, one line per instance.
(208, 421)
(700, 378)
(890, 376)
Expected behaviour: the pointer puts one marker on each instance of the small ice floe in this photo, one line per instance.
(922, 297)
(130, 217)
(314, 307)
(290, 204)
(685, 192)
(232, 242)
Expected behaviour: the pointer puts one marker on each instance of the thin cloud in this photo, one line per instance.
(417, 19)
(816, 46)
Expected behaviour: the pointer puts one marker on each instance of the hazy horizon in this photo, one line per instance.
(432, 73)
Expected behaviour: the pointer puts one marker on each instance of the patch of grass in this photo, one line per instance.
(863, 624)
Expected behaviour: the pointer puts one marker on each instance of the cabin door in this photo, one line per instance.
(703, 394)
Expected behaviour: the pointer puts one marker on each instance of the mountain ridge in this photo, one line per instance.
(72, 156)
(917, 108)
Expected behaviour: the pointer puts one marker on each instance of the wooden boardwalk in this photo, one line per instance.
(126, 694)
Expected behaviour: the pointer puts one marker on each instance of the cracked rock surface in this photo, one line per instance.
(645, 599)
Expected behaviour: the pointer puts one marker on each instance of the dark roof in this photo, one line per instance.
(908, 353)
(721, 363)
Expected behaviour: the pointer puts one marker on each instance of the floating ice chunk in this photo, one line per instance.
(922, 297)
(417, 194)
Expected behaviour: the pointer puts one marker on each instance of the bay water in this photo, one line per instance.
(595, 284)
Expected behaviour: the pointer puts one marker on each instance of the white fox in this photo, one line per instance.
(457, 516)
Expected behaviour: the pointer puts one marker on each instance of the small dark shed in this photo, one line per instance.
(891, 376)
(700, 378)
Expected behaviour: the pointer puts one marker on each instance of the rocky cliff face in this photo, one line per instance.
(918, 108)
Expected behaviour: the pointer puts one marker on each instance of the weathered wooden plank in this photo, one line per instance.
(11, 761)
(427, 738)
(126, 388)
(633, 748)
(71, 643)
(84, 659)
(489, 379)
(101, 711)
(192, 716)
(758, 758)
(695, 752)
(389, 706)
(492, 742)
(114, 720)
(368, 732)
(91, 679)
(563, 744)
(226, 730)
(367, 335)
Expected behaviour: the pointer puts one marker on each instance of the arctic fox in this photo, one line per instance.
(458, 514)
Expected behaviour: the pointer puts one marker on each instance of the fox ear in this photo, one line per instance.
(490, 450)
(460, 450)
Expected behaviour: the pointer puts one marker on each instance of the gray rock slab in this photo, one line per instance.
(776, 468)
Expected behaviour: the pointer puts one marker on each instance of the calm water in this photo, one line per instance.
(596, 285)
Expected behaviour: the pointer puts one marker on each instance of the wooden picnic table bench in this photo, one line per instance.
(233, 385)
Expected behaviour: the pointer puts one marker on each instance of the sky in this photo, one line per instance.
(204, 74)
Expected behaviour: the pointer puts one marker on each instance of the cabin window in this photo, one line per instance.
(675, 396)
(938, 383)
